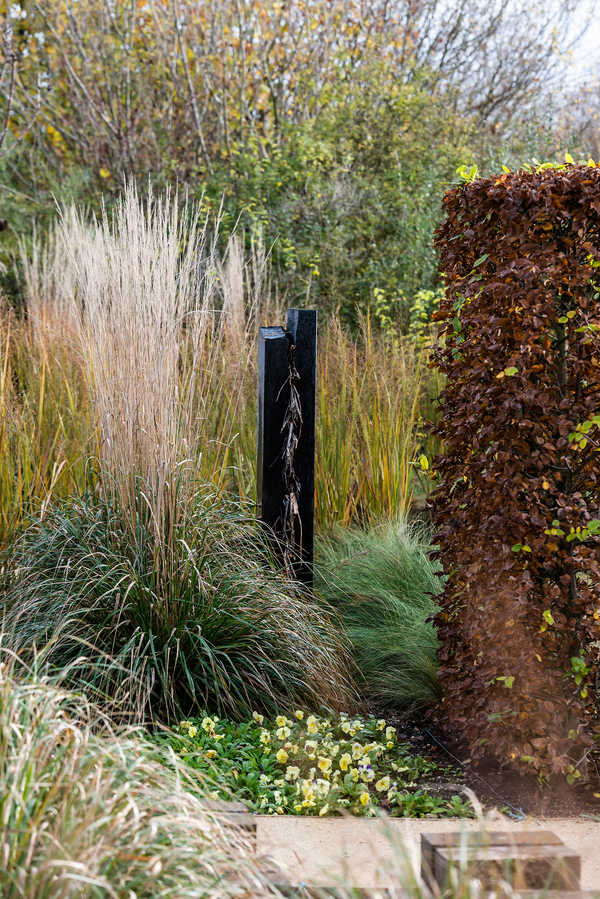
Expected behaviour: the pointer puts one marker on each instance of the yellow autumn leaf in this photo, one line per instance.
(569, 158)
(104, 173)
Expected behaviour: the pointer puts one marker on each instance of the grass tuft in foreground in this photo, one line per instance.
(226, 631)
(85, 812)
(382, 583)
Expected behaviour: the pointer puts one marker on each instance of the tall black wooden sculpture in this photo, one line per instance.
(286, 438)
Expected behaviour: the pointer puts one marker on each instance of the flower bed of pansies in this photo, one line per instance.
(313, 765)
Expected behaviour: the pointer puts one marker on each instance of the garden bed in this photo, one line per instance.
(323, 765)
(316, 765)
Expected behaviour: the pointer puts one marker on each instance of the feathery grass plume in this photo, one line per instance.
(153, 312)
(382, 583)
(226, 631)
(372, 394)
(85, 811)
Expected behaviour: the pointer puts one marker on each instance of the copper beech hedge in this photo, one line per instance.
(517, 503)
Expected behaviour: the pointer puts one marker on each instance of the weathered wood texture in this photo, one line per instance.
(302, 325)
(536, 860)
(273, 399)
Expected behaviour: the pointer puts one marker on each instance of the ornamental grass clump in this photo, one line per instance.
(86, 812)
(517, 507)
(226, 631)
(383, 585)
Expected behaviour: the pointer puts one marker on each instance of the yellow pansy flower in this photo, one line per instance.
(324, 810)
(312, 725)
(381, 724)
(281, 721)
(258, 718)
(192, 731)
(364, 798)
(282, 756)
(299, 714)
(345, 760)
(324, 765)
(383, 784)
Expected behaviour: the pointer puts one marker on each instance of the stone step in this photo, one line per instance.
(532, 860)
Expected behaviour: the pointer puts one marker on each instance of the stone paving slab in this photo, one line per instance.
(368, 853)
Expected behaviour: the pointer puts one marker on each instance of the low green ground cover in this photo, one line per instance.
(308, 764)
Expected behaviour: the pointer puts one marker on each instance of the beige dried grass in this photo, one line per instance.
(166, 330)
(86, 811)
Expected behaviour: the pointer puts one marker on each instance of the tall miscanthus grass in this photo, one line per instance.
(86, 811)
(129, 289)
(163, 327)
(167, 593)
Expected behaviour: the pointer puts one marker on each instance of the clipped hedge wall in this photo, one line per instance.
(517, 503)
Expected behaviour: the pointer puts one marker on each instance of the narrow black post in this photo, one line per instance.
(302, 326)
(286, 448)
(273, 398)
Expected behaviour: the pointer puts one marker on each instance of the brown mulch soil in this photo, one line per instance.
(513, 794)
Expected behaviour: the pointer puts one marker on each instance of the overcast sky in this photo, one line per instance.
(586, 59)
